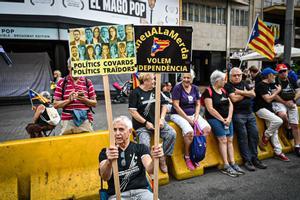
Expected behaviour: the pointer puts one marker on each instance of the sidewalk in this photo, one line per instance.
(14, 118)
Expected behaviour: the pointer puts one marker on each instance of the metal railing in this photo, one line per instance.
(268, 3)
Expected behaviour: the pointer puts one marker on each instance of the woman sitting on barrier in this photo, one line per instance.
(185, 113)
(218, 113)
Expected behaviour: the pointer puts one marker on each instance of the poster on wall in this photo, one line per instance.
(163, 48)
(158, 12)
(101, 50)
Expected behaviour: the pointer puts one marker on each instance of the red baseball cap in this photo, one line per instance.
(281, 67)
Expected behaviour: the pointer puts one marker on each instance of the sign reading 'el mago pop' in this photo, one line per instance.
(102, 50)
(163, 48)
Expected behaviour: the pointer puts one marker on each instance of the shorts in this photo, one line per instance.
(185, 125)
(218, 128)
(291, 112)
(68, 127)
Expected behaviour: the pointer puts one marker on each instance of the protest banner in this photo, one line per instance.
(101, 50)
(162, 49)
(104, 50)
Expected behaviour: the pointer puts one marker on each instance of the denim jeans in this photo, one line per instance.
(247, 135)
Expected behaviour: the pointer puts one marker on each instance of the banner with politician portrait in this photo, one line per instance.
(102, 50)
(163, 48)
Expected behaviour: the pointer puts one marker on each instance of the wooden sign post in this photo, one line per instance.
(156, 132)
(111, 135)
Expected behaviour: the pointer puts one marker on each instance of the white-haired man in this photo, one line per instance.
(133, 162)
(244, 122)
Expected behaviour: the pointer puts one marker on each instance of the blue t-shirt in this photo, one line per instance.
(187, 101)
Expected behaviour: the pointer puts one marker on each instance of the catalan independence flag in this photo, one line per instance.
(135, 80)
(159, 45)
(33, 95)
(262, 40)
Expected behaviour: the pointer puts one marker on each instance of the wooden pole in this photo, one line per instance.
(111, 135)
(156, 133)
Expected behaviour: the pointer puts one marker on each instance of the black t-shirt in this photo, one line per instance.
(261, 89)
(45, 115)
(132, 175)
(220, 103)
(258, 78)
(144, 102)
(287, 88)
(243, 106)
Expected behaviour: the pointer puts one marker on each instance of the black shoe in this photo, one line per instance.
(289, 134)
(258, 164)
(249, 166)
(297, 151)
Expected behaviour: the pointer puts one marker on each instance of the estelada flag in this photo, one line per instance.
(159, 45)
(33, 95)
(262, 40)
(135, 80)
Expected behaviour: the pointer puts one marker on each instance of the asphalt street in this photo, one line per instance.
(280, 181)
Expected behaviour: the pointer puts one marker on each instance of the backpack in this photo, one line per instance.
(198, 146)
(54, 117)
(202, 102)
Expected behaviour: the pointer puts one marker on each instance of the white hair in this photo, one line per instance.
(192, 73)
(215, 76)
(123, 119)
(234, 70)
(46, 94)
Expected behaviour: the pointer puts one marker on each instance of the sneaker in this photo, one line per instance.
(229, 171)
(297, 151)
(196, 165)
(258, 164)
(249, 166)
(189, 163)
(237, 169)
(282, 157)
(163, 165)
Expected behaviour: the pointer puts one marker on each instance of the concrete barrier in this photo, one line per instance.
(62, 167)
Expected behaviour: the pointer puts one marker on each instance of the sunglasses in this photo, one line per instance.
(123, 161)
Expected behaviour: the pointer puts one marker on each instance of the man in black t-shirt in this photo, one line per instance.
(285, 107)
(255, 74)
(263, 109)
(133, 162)
(142, 109)
(244, 122)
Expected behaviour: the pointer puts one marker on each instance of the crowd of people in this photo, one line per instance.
(230, 108)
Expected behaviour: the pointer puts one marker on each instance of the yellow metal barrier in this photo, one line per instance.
(53, 168)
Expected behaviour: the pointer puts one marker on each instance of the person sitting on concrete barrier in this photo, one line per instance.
(284, 105)
(133, 162)
(218, 113)
(40, 125)
(142, 109)
(263, 109)
(166, 89)
(186, 112)
(76, 96)
(244, 122)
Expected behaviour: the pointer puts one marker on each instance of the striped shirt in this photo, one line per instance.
(70, 86)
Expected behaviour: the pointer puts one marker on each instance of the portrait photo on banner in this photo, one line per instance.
(102, 50)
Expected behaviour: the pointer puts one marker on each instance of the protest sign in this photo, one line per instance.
(102, 50)
(163, 48)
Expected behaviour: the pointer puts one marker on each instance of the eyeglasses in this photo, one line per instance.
(236, 75)
(123, 161)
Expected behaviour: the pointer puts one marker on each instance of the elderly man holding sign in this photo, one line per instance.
(142, 109)
(133, 162)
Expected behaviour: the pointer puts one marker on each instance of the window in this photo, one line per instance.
(232, 17)
(196, 11)
(221, 16)
(208, 11)
(242, 12)
(246, 18)
(213, 15)
(184, 11)
(237, 17)
(191, 12)
(202, 13)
